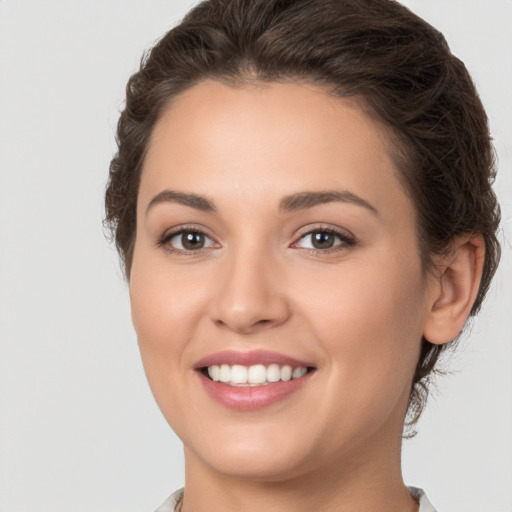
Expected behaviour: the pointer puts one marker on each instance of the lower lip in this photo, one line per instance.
(251, 397)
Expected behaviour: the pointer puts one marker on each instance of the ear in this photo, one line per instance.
(455, 287)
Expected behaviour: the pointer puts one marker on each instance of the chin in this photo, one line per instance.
(256, 457)
(257, 466)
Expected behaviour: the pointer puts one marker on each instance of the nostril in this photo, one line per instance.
(244, 327)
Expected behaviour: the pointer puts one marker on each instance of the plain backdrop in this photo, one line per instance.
(79, 429)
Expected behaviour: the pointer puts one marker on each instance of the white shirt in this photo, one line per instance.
(425, 506)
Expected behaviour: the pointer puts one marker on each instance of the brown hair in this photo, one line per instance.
(376, 51)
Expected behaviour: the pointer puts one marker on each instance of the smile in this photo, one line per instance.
(255, 375)
(252, 380)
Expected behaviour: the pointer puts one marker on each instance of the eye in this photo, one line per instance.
(187, 240)
(324, 240)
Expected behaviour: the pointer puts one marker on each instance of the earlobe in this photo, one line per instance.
(457, 282)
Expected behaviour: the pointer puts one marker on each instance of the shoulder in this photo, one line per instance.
(420, 496)
(170, 503)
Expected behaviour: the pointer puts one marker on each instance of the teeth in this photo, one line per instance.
(225, 373)
(299, 372)
(273, 373)
(286, 373)
(258, 374)
(238, 374)
(214, 372)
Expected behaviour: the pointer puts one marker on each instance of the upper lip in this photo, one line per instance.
(250, 358)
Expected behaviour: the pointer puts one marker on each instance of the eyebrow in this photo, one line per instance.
(191, 200)
(291, 203)
(303, 200)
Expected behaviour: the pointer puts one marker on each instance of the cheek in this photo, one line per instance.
(168, 308)
(164, 305)
(371, 331)
(367, 296)
(161, 315)
(159, 319)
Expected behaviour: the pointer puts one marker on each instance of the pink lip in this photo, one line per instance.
(249, 358)
(250, 397)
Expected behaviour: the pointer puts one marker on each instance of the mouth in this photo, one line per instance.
(252, 380)
(238, 375)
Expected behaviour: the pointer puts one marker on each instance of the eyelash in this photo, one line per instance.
(164, 242)
(345, 240)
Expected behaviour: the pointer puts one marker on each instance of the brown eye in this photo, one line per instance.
(322, 239)
(189, 240)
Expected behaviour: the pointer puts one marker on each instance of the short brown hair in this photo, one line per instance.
(376, 51)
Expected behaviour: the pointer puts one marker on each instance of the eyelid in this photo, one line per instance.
(163, 241)
(346, 237)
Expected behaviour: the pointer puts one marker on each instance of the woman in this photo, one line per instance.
(302, 201)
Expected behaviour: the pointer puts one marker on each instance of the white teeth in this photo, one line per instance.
(225, 373)
(214, 372)
(238, 374)
(273, 373)
(299, 372)
(258, 374)
(286, 373)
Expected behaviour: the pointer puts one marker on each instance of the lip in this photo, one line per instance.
(253, 357)
(250, 397)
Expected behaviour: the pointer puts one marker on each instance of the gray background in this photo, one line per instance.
(79, 429)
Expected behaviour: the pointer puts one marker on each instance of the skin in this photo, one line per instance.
(357, 311)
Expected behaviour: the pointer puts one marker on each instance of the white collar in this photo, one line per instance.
(418, 494)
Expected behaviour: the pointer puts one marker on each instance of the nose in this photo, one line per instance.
(251, 295)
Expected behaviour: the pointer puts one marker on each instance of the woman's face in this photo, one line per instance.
(274, 238)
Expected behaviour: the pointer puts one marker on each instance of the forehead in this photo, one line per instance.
(262, 140)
